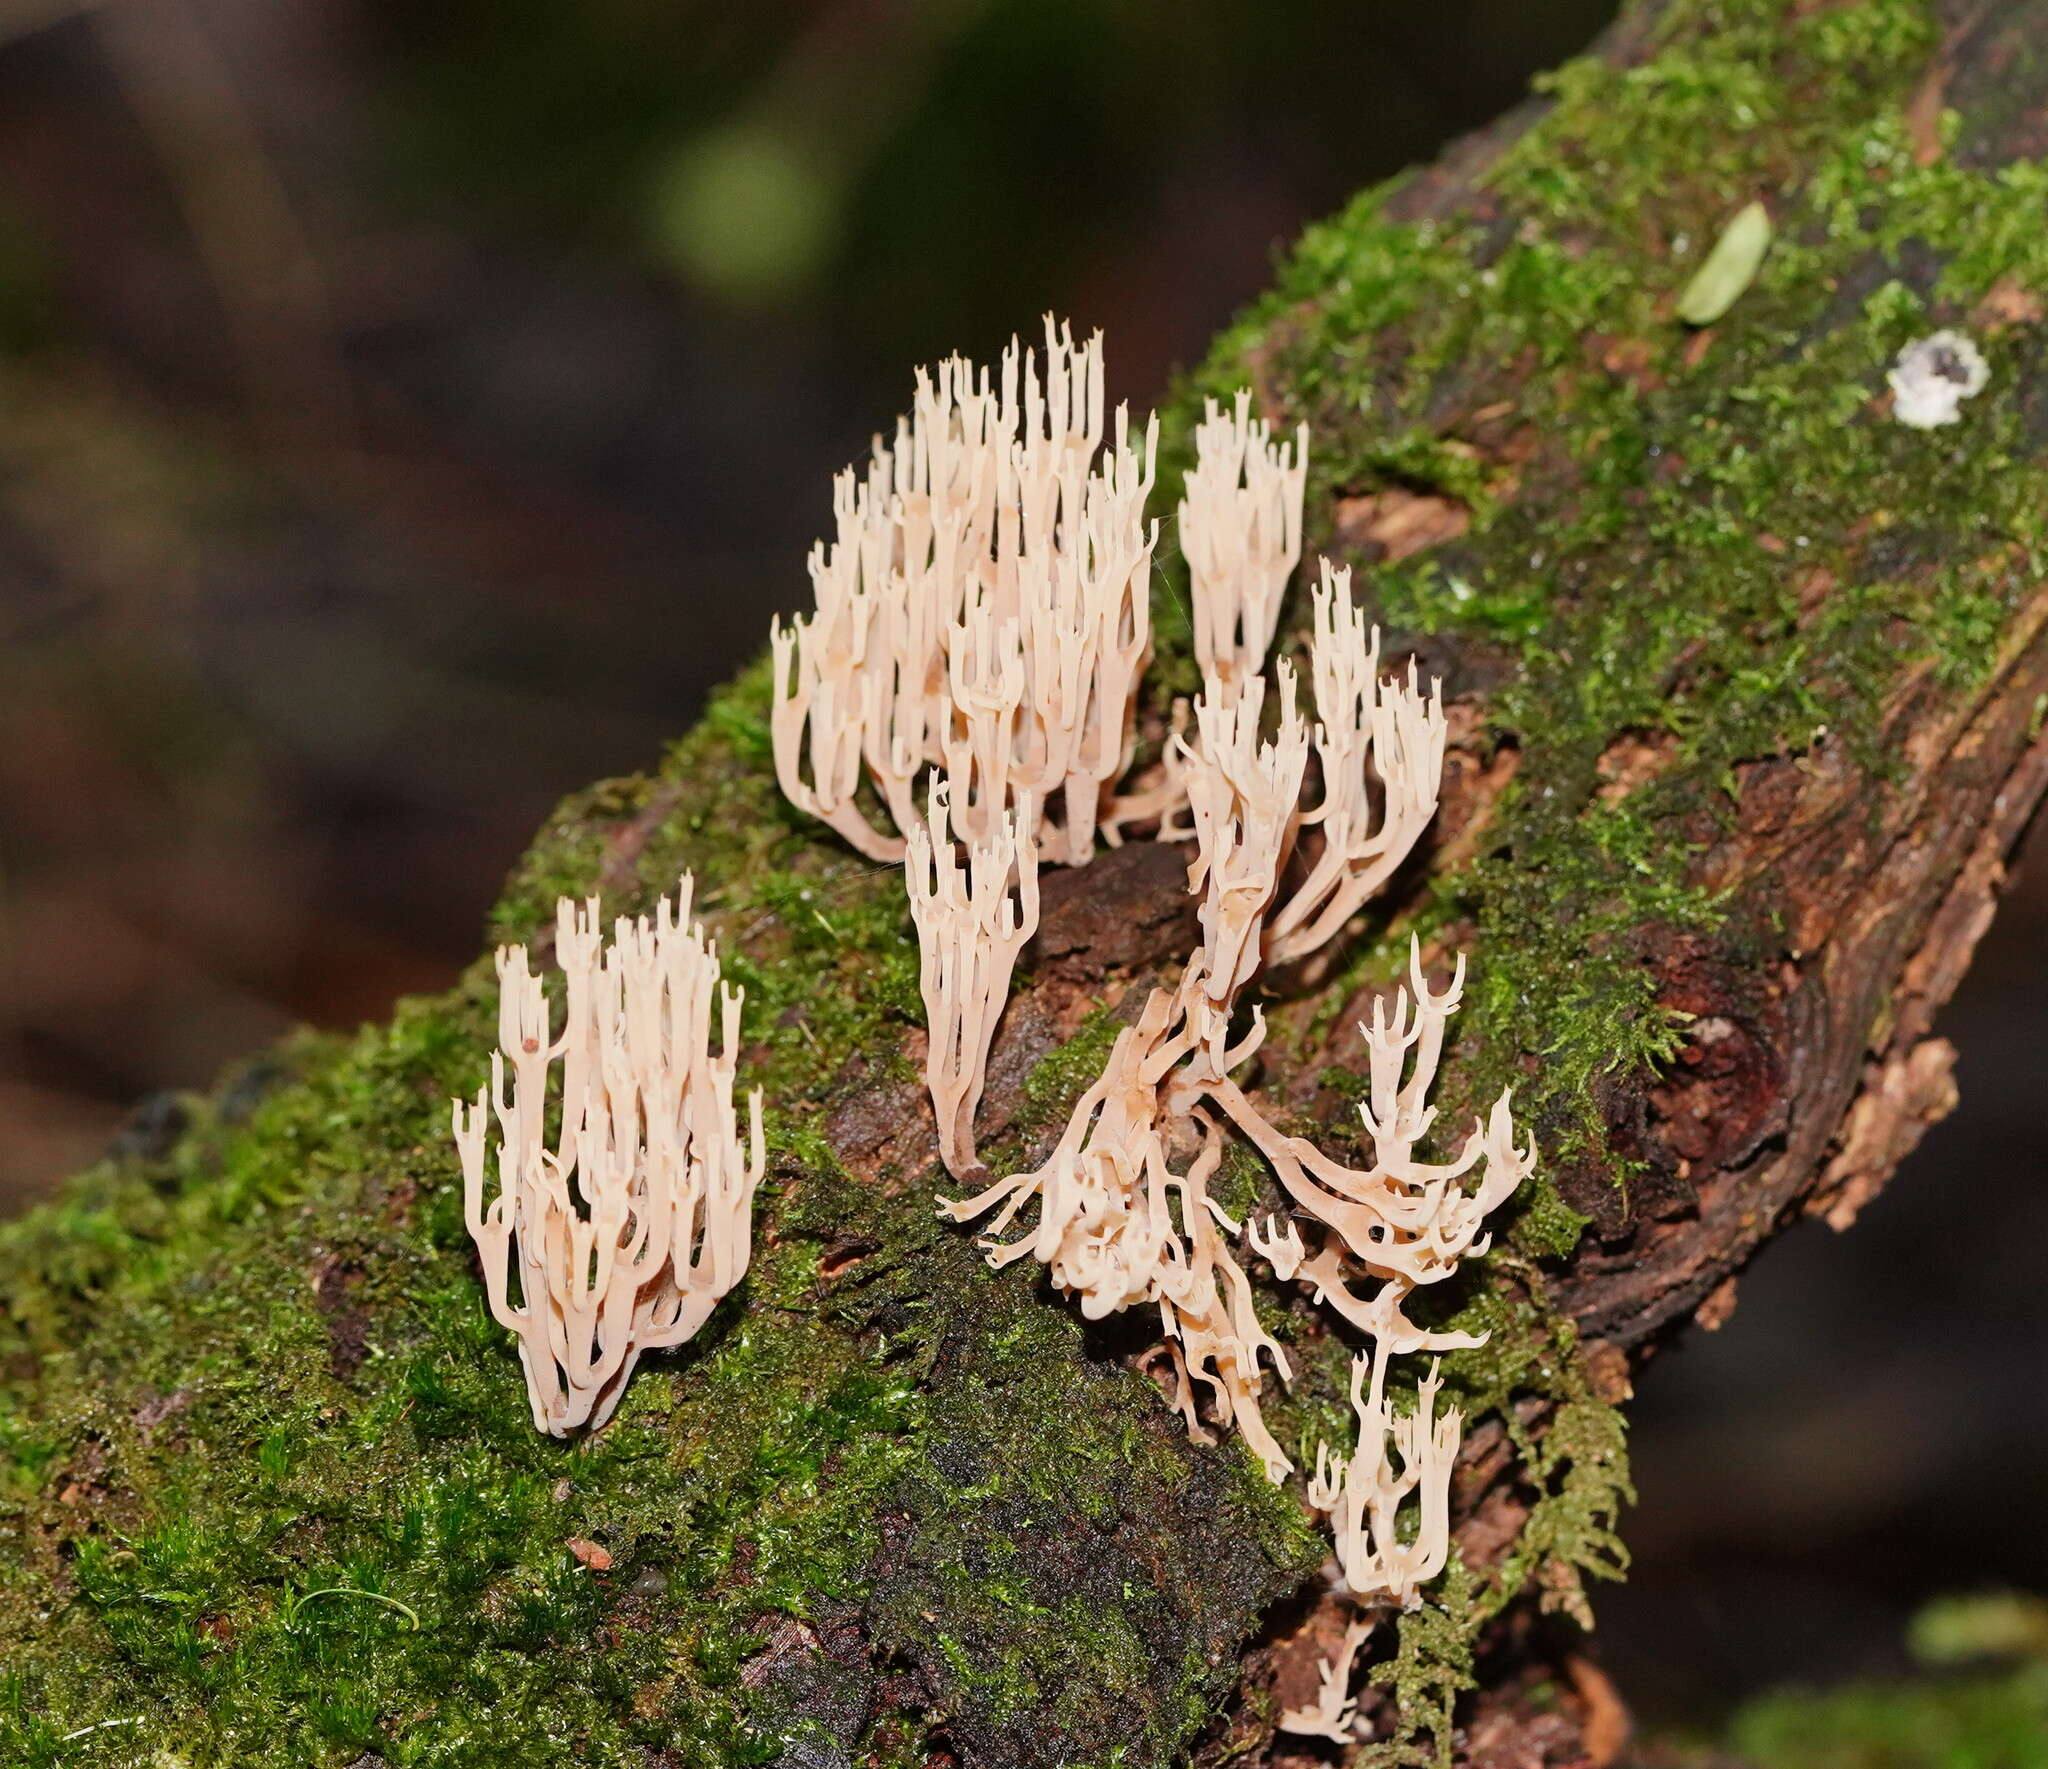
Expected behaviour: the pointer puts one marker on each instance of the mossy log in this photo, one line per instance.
(1746, 681)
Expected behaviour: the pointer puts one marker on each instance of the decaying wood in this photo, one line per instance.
(1801, 1088)
(1807, 1074)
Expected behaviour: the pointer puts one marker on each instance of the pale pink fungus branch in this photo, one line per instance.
(836, 676)
(1102, 1220)
(985, 674)
(1335, 1715)
(998, 525)
(622, 1236)
(1207, 1310)
(972, 921)
(1403, 1220)
(1243, 791)
(1377, 738)
(1240, 529)
(1117, 575)
(1365, 1494)
(1117, 1228)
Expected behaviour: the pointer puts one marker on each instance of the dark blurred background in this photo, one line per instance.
(409, 408)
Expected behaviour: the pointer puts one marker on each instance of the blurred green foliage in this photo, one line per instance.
(746, 211)
(921, 163)
(1981, 1713)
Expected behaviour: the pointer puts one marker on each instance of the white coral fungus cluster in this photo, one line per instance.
(981, 626)
(1240, 529)
(982, 620)
(619, 1233)
(983, 609)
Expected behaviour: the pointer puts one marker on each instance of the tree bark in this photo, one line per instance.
(1745, 680)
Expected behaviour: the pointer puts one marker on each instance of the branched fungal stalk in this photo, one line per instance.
(1402, 1221)
(1117, 1228)
(1240, 531)
(1240, 528)
(1242, 794)
(1374, 735)
(1335, 1715)
(622, 1236)
(1364, 1493)
(972, 921)
(983, 608)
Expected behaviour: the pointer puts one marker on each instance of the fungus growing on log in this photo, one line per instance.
(983, 615)
(1240, 529)
(1749, 681)
(995, 528)
(1118, 1227)
(972, 921)
(622, 1237)
(981, 618)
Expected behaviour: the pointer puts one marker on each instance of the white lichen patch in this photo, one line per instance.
(1933, 376)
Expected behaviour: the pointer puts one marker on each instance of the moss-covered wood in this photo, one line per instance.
(1747, 684)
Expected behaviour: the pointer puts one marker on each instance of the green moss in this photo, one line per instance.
(1429, 1669)
(269, 1489)
(1059, 1078)
(1982, 1722)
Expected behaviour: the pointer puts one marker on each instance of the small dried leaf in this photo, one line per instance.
(1730, 267)
(590, 1554)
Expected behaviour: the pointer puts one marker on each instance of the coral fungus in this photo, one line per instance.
(983, 608)
(625, 1233)
(980, 630)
